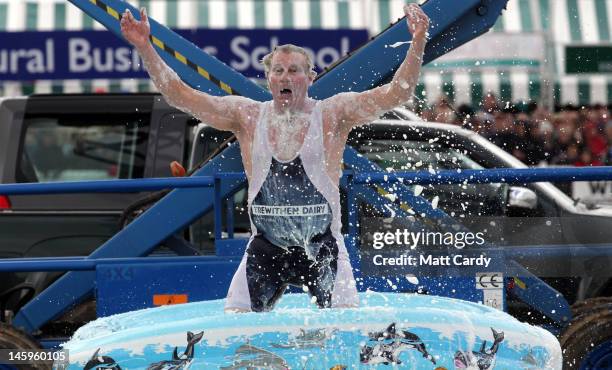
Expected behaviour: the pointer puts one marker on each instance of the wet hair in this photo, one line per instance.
(288, 48)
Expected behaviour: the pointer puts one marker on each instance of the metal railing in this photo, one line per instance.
(503, 175)
(498, 175)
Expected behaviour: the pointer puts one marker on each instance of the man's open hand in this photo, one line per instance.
(417, 20)
(135, 31)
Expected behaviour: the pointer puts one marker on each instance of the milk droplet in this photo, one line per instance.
(399, 43)
(392, 197)
(418, 189)
(434, 202)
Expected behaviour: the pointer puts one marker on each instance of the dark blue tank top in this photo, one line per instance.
(289, 210)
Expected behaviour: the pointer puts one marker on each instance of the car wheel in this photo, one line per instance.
(12, 338)
(581, 307)
(587, 340)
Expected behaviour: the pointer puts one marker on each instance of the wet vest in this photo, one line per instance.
(293, 203)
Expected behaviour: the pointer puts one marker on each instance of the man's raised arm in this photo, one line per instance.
(353, 109)
(220, 112)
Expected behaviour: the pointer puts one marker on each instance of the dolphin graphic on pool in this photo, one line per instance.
(179, 361)
(481, 360)
(389, 345)
(251, 357)
(98, 362)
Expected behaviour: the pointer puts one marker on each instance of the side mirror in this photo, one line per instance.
(520, 197)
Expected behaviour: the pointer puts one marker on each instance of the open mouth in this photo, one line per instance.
(285, 92)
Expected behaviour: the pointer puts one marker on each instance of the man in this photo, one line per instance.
(292, 151)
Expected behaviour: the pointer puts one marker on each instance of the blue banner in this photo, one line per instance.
(37, 55)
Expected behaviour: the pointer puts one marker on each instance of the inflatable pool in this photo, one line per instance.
(388, 331)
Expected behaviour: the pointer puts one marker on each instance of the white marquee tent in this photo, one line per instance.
(526, 45)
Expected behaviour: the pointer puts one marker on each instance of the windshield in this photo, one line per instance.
(552, 191)
(400, 155)
(404, 148)
(72, 147)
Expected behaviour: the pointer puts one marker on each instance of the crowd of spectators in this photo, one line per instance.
(576, 136)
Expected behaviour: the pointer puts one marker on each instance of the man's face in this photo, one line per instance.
(289, 80)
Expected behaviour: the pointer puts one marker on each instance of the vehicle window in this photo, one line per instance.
(83, 147)
(401, 152)
(202, 141)
(401, 155)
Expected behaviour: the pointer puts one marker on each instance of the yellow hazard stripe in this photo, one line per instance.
(403, 205)
(112, 12)
(180, 57)
(203, 72)
(226, 88)
(157, 42)
(175, 54)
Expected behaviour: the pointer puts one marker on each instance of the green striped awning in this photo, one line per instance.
(512, 86)
(570, 21)
(564, 22)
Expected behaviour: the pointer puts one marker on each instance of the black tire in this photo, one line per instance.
(584, 333)
(12, 338)
(581, 307)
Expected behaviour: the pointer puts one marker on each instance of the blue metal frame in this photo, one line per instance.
(83, 263)
(452, 24)
(539, 295)
(129, 286)
(495, 175)
(172, 213)
(141, 236)
(600, 358)
(365, 172)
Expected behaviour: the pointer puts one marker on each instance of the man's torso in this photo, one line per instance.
(286, 135)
